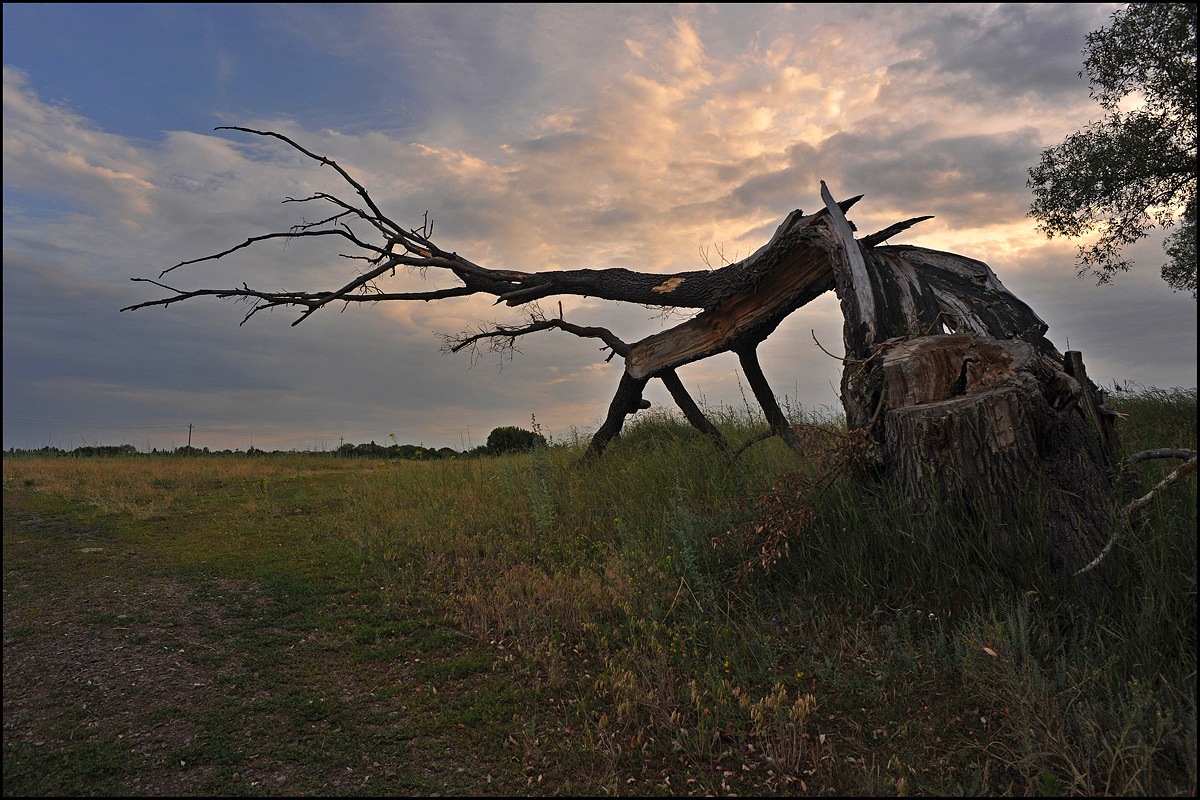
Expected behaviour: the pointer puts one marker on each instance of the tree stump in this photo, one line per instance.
(975, 423)
(963, 401)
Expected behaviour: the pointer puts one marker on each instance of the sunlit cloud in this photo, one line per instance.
(78, 161)
(659, 138)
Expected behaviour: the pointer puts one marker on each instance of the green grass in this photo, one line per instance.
(537, 625)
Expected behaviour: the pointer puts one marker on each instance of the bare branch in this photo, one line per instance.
(762, 436)
(294, 234)
(329, 162)
(269, 299)
(1161, 452)
(1187, 467)
(1183, 469)
(821, 347)
(357, 283)
(502, 338)
(348, 210)
(307, 299)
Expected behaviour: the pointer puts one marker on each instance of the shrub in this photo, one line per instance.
(511, 439)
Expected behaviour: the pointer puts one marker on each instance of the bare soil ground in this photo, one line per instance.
(118, 680)
(112, 664)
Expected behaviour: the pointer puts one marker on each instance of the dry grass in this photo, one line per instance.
(581, 627)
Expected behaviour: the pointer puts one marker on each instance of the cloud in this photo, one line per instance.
(536, 137)
(1004, 52)
(97, 170)
(966, 181)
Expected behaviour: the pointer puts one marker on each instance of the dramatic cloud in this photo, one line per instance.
(654, 137)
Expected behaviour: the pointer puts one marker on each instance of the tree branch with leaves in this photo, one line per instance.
(1135, 169)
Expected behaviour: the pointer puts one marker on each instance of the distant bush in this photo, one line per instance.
(104, 450)
(511, 439)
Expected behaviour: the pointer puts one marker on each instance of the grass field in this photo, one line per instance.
(535, 625)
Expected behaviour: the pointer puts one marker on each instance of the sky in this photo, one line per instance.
(656, 137)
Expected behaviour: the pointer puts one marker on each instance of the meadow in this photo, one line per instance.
(661, 621)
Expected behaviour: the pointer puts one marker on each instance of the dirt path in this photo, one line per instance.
(101, 661)
(128, 673)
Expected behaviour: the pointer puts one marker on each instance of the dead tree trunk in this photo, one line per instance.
(963, 399)
(990, 423)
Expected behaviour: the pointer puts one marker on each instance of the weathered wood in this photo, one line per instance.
(963, 398)
(787, 273)
(853, 281)
(993, 424)
(1092, 405)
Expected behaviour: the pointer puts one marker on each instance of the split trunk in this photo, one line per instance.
(949, 378)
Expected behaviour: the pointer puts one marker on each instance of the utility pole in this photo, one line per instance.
(189, 437)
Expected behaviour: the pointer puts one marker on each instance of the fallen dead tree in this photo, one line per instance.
(948, 379)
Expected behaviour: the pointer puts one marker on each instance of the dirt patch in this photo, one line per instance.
(118, 665)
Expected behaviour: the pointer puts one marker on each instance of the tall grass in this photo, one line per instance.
(1001, 675)
(863, 649)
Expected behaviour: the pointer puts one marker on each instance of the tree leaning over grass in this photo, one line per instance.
(739, 305)
(951, 389)
(1135, 169)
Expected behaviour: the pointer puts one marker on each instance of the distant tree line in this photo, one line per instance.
(500, 441)
(408, 452)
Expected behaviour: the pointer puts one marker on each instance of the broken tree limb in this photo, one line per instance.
(787, 273)
(1183, 469)
(740, 304)
(1158, 452)
(881, 237)
(691, 411)
(779, 425)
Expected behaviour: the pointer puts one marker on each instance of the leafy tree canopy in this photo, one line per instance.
(513, 440)
(1136, 168)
